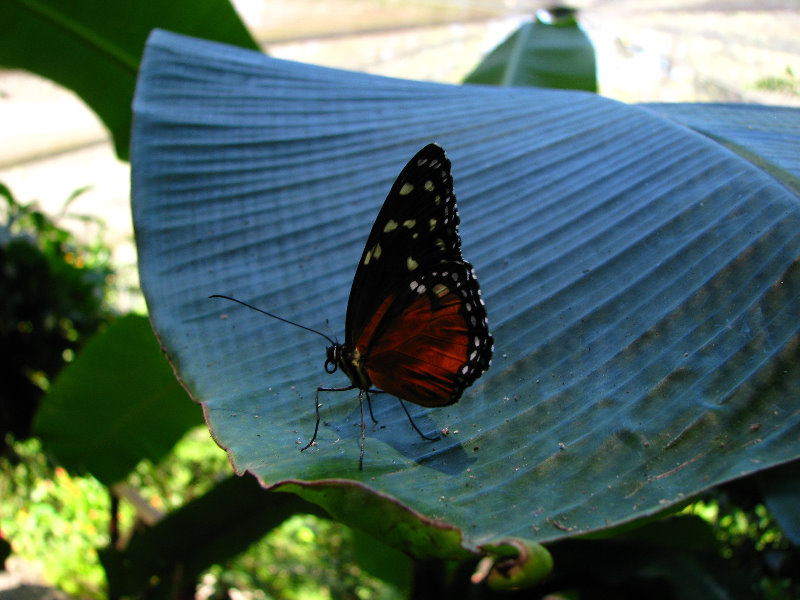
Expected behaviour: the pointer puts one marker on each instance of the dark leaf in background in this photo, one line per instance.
(118, 403)
(172, 554)
(781, 490)
(73, 44)
(671, 558)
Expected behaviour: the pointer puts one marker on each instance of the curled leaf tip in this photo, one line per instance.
(513, 564)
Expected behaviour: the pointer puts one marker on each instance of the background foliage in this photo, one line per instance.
(106, 40)
(54, 297)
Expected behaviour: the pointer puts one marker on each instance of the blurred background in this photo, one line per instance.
(56, 153)
(646, 51)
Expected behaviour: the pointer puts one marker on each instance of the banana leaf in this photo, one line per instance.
(641, 279)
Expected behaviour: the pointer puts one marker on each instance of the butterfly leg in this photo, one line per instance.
(369, 403)
(363, 426)
(316, 409)
(414, 425)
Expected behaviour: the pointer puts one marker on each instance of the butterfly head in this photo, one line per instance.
(334, 354)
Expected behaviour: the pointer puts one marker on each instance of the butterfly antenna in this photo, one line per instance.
(330, 329)
(269, 314)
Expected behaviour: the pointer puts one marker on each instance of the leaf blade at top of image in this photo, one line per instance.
(641, 281)
(93, 47)
(551, 51)
(117, 403)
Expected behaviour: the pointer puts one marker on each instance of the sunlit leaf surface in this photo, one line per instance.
(641, 280)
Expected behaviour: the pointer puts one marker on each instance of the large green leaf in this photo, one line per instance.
(117, 404)
(642, 284)
(93, 47)
(552, 52)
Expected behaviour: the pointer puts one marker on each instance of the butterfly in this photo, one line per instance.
(416, 326)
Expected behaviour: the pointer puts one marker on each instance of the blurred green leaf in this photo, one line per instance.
(93, 47)
(642, 284)
(781, 489)
(384, 562)
(116, 404)
(171, 555)
(551, 51)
